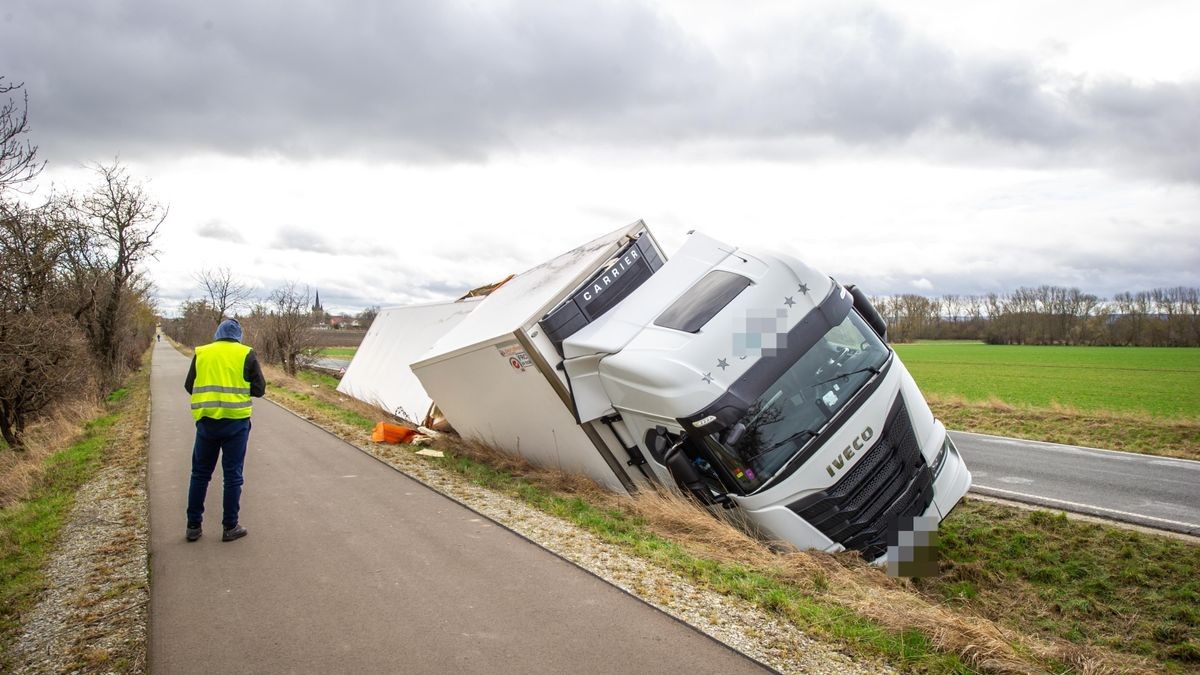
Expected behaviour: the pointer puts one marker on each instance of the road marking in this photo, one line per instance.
(1177, 464)
(1087, 506)
(1015, 480)
(1019, 441)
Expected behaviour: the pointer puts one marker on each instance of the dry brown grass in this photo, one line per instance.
(20, 470)
(849, 582)
(277, 378)
(1129, 431)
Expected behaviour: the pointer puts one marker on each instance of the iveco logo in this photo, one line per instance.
(848, 452)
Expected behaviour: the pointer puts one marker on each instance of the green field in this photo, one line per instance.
(1164, 382)
(338, 352)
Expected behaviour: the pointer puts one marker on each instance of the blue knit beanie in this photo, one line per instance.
(229, 329)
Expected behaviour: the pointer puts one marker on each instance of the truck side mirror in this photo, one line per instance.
(868, 311)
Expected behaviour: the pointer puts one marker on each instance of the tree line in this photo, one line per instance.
(75, 308)
(280, 329)
(1049, 315)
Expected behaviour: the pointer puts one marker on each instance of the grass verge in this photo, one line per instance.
(1131, 432)
(938, 625)
(29, 526)
(1088, 583)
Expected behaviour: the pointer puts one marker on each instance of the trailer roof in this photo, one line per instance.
(526, 298)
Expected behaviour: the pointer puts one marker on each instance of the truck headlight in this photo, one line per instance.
(947, 447)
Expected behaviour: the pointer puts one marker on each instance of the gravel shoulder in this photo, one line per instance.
(93, 617)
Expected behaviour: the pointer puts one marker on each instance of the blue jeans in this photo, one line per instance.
(227, 438)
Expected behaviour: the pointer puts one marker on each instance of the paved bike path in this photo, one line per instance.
(352, 567)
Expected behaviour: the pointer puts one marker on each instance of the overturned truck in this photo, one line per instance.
(746, 379)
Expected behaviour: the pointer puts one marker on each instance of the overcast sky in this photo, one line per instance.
(390, 152)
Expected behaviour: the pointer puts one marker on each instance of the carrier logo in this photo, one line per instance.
(610, 277)
(848, 452)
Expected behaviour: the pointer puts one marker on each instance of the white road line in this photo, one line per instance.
(1177, 464)
(1020, 441)
(1087, 506)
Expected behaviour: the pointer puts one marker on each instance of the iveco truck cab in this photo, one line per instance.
(746, 379)
(753, 381)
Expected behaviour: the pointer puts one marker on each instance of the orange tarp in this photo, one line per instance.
(392, 433)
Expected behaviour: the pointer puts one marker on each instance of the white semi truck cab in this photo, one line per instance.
(752, 380)
(747, 379)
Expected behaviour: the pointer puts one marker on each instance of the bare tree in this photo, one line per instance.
(18, 156)
(367, 316)
(225, 293)
(290, 325)
(120, 220)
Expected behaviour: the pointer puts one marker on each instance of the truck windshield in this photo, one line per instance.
(792, 411)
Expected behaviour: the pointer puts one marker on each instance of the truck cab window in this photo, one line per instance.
(702, 301)
(794, 409)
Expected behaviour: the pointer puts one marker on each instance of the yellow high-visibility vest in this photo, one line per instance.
(220, 390)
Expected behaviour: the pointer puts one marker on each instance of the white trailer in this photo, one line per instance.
(748, 380)
(494, 375)
(379, 372)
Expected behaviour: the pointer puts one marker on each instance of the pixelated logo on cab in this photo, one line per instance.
(761, 332)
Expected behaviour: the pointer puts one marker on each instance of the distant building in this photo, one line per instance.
(343, 321)
(318, 312)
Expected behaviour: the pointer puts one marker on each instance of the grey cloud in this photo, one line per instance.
(215, 229)
(428, 81)
(1161, 123)
(1094, 269)
(293, 238)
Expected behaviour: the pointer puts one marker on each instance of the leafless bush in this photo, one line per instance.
(43, 360)
(195, 325)
(43, 357)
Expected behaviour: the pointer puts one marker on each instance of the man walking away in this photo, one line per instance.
(224, 375)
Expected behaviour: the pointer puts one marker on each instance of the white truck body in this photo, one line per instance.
(745, 379)
(379, 372)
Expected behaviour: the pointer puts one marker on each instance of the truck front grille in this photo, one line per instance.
(889, 482)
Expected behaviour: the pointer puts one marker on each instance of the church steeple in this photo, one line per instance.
(318, 312)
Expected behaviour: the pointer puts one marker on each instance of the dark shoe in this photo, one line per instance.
(231, 533)
(193, 533)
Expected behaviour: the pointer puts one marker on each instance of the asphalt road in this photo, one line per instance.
(331, 364)
(1157, 492)
(352, 567)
